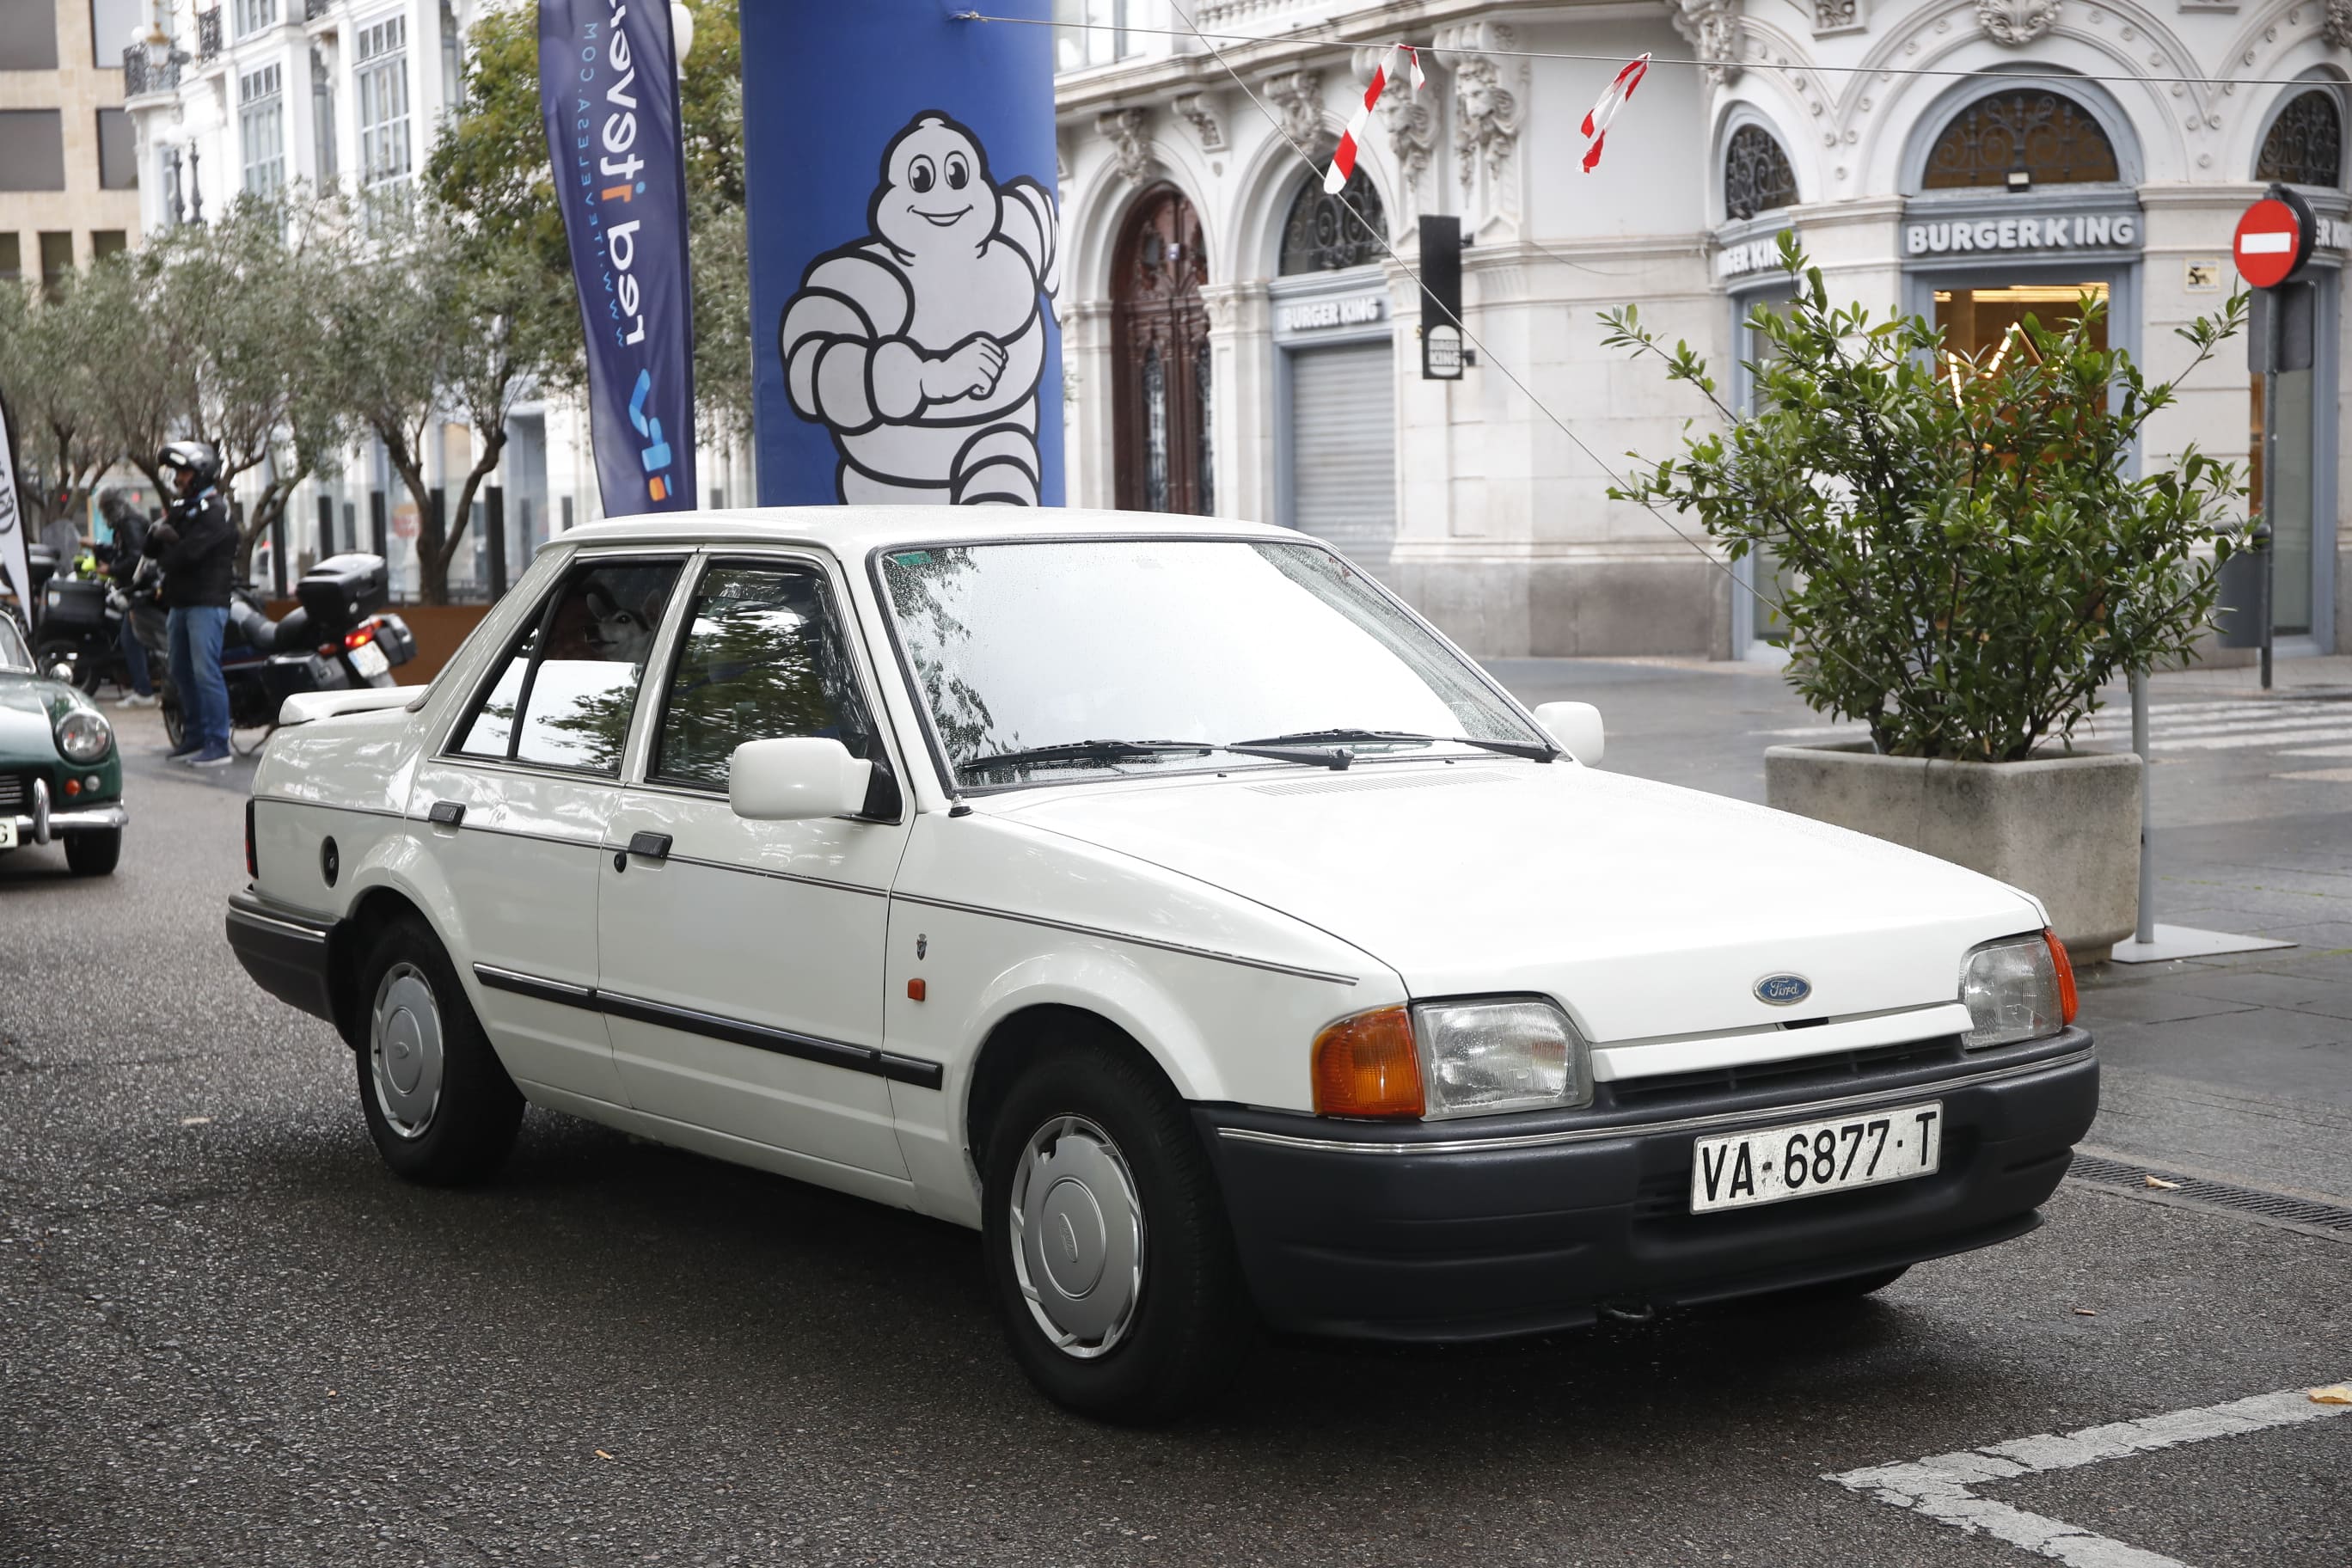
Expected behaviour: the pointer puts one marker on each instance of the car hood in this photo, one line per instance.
(27, 717)
(1645, 910)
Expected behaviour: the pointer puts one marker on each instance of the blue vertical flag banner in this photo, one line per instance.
(16, 559)
(608, 90)
(905, 252)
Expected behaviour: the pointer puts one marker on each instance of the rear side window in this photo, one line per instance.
(762, 658)
(564, 695)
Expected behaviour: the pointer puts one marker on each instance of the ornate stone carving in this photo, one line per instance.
(1837, 16)
(1188, 106)
(2016, 22)
(1129, 132)
(1712, 29)
(2335, 27)
(1485, 119)
(1297, 98)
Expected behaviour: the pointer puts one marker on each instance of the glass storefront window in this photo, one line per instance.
(1978, 321)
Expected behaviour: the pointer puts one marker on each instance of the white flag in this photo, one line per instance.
(14, 561)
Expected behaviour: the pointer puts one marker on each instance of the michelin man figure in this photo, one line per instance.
(919, 346)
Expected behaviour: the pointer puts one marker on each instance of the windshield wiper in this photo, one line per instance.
(1113, 751)
(1531, 749)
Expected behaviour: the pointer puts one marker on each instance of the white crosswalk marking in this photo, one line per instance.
(1943, 1486)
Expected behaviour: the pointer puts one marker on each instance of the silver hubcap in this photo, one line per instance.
(1077, 1236)
(405, 1051)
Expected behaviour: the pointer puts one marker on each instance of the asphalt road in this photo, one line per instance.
(228, 1336)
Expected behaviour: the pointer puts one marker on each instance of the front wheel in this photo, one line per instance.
(438, 1103)
(1108, 1246)
(93, 853)
(72, 663)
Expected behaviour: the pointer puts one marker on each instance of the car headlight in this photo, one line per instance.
(1466, 1057)
(84, 737)
(2020, 988)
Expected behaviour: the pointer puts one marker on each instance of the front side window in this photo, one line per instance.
(1019, 647)
(13, 654)
(261, 128)
(762, 658)
(563, 697)
(382, 87)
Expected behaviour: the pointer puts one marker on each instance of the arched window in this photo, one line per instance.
(1756, 174)
(2015, 140)
(2305, 144)
(1321, 235)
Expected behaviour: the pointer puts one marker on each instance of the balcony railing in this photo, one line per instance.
(208, 32)
(142, 76)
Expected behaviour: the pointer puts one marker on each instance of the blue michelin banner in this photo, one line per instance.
(608, 90)
(906, 245)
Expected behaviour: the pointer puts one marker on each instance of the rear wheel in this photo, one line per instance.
(94, 854)
(1107, 1241)
(175, 720)
(440, 1106)
(71, 663)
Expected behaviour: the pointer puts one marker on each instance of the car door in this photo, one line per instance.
(742, 962)
(515, 807)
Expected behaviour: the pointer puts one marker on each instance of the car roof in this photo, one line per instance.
(850, 531)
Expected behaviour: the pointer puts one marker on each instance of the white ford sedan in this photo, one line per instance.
(1165, 900)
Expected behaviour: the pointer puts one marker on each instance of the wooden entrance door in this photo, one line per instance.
(1160, 353)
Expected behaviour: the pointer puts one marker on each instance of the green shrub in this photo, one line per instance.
(1967, 559)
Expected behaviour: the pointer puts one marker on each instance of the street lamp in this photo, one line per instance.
(681, 31)
(153, 38)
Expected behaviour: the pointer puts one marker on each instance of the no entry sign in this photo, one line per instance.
(2274, 239)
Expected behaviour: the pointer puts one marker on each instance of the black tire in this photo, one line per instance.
(175, 720)
(87, 674)
(465, 1131)
(94, 854)
(1190, 1321)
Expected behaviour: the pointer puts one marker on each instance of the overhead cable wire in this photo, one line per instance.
(2003, 74)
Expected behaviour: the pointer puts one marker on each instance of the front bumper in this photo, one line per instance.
(1450, 1230)
(39, 827)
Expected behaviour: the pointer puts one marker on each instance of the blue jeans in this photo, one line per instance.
(134, 657)
(195, 640)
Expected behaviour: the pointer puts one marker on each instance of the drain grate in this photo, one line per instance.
(2277, 1208)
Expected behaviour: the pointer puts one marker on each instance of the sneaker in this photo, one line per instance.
(140, 699)
(211, 757)
(184, 752)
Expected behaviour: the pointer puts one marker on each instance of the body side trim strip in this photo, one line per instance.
(779, 875)
(333, 805)
(270, 922)
(1076, 930)
(913, 1071)
(1802, 1110)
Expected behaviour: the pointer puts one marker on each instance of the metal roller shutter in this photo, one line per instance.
(1343, 448)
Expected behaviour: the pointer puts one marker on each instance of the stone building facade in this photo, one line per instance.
(1236, 345)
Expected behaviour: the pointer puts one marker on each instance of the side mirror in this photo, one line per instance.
(800, 779)
(1576, 726)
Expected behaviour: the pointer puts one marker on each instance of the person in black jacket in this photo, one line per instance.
(130, 526)
(195, 545)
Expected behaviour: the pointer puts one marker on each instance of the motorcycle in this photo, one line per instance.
(81, 628)
(338, 637)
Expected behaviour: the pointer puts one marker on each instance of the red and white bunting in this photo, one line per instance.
(1343, 160)
(1620, 88)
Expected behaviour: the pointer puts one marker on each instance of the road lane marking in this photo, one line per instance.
(1941, 1486)
(2240, 742)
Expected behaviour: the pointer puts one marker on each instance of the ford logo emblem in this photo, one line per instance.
(1783, 990)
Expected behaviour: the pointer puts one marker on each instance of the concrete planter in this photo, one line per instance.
(2064, 828)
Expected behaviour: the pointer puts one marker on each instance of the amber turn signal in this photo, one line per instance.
(916, 990)
(1368, 1066)
(2065, 975)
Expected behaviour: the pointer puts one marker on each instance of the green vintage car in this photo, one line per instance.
(60, 771)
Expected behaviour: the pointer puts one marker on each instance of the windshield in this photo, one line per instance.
(1046, 644)
(13, 654)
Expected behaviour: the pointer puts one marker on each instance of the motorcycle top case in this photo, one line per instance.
(71, 607)
(341, 589)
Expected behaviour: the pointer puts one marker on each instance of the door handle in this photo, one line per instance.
(447, 813)
(651, 846)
